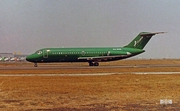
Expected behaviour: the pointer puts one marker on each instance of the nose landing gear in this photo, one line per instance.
(35, 65)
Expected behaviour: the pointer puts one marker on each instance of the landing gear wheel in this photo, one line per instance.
(96, 64)
(35, 65)
(91, 64)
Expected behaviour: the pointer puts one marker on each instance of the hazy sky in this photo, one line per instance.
(29, 25)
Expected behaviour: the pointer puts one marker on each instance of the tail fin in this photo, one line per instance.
(141, 40)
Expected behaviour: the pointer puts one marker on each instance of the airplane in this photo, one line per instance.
(20, 59)
(12, 59)
(92, 55)
(6, 59)
(1, 58)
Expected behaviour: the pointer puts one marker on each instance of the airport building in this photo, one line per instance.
(9, 55)
(6, 55)
(20, 55)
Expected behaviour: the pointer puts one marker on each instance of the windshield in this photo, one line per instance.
(38, 52)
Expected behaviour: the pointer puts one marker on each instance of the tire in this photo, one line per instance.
(96, 64)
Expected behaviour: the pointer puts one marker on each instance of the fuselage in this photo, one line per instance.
(77, 54)
(92, 55)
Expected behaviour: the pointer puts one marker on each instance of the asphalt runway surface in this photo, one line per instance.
(47, 67)
(53, 67)
(92, 74)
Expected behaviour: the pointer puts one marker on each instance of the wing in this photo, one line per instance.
(99, 58)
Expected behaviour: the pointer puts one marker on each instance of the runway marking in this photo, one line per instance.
(26, 75)
(155, 72)
(92, 74)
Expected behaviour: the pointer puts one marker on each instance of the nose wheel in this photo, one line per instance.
(35, 65)
(93, 64)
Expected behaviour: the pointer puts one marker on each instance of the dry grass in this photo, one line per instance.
(101, 93)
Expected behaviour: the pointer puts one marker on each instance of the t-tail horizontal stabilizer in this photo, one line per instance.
(141, 40)
(150, 34)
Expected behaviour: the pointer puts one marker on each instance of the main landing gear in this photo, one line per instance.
(35, 65)
(93, 64)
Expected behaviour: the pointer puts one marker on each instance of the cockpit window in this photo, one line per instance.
(38, 52)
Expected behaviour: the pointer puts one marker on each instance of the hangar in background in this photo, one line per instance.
(6, 55)
(10, 55)
(22, 55)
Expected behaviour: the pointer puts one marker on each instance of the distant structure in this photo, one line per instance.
(6, 55)
(10, 55)
(22, 55)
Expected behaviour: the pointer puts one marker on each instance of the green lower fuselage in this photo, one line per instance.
(82, 54)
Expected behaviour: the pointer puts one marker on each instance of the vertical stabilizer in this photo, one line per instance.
(141, 40)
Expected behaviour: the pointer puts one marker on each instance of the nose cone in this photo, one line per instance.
(30, 58)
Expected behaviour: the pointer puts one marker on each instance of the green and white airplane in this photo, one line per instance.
(92, 55)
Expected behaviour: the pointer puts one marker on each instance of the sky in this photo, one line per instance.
(29, 25)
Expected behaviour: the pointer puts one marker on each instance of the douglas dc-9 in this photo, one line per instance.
(92, 55)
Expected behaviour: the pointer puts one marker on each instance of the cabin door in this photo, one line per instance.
(45, 53)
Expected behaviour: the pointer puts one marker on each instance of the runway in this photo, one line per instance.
(47, 67)
(92, 74)
(85, 70)
(116, 84)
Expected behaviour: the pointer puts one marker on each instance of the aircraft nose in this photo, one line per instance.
(29, 58)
